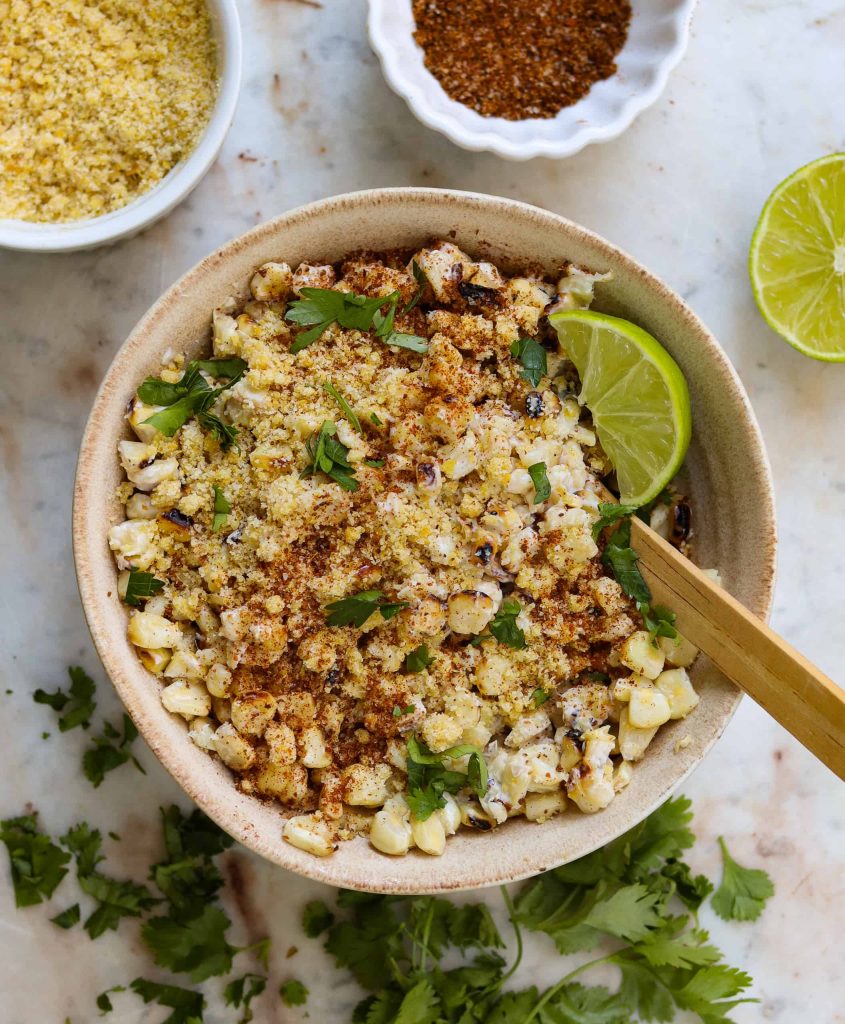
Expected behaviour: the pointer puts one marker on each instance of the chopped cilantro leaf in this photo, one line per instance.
(375, 463)
(345, 407)
(422, 281)
(222, 508)
(428, 779)
(743, 893)
(532, 355)
(418, 659)
(68, 918)
(140, 586)
(193, 395)
(329, 456)
(187, 1006)
(376, 420)
(195, 945)
(540, 479)
(110, 751)
(293, 993)
(412, 342)
(78, 704)
(399, 711)
(357, 609)
(504, 628)
(37, 864)
(539, 697)
(321, 307)
(609, 513)
(241, 992)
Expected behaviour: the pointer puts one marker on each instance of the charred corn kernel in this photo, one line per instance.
(631, 740)
(184, 665)
(188, 698)
(271, 282)
(134, 543)
(642, 655)
(648, 708)
(155, 661)
(622, 775)
(140, 506)
(429, 835)
(540, 807)
(594, 791)
(678, 651)
(152, 631)
(253, 712)
(232, 749)
(312, 748)
(391, 832)
(450, 815)
(281, 743)
(218, 680)
(470, 611)
(307, 833)
(676, 687)
(288, 783)
(201, 731)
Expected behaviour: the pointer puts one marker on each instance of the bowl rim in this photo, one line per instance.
(380, 26)
(91, 554)
(176, 185)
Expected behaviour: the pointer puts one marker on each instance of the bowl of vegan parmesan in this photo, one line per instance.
(528, 78)
(110, 114)
(345, 536)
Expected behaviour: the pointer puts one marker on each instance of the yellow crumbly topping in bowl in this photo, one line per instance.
(98, 101)
(359, 552)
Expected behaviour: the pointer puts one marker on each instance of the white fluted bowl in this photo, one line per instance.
(657, 39)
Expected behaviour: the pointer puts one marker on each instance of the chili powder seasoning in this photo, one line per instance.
(519, 59)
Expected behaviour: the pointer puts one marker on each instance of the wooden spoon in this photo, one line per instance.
(793, 691)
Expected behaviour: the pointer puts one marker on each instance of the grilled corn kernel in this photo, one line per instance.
(430, 835)
(642, 655)
(676, 687)
(540, 807)
(470, 611)
(679, 652)
(631, 740)
(232, 749)
(306, 832)
(153, 631)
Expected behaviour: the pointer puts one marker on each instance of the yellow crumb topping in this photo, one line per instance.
(98, 101)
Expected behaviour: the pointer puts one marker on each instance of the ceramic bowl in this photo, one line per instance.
(657, 39)
(174, 187)
(729, 479)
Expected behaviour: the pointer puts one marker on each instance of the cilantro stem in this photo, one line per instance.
(517, 931)
(550, 993)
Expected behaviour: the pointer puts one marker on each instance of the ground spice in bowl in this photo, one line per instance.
(520, 59)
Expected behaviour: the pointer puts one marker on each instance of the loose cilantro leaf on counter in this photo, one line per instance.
(187, 1006)
(422, 281)
(104, 1004)
(418, 659)
(84, 843)
(241, 992)
(540, 479)
(194, 945)
(293, 993)
(357, 609)
(743, 893)
(532, 355)
(316, 918)
(140, 586)
(68, 918)
(37, 864)
(344, 406)
(222, 508)
(329, 456)
(110, 751)
(609, 513)
(79, 701)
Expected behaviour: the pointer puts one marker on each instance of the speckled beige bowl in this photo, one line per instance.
(730, 484)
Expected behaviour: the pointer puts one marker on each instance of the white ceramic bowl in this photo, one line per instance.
(656, 42)
(173, 188)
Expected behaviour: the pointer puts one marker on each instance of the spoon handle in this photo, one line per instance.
(793, 691)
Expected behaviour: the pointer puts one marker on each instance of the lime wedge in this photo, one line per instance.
(637, 395)
(797, 259)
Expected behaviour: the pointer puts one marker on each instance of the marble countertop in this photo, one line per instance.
(758, 94)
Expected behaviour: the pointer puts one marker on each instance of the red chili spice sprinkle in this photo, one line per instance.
(520, 58)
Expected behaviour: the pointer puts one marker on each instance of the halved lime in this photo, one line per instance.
(797, 259)
(637, 395)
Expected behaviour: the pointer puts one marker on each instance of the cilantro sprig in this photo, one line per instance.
(357, 609)
(418, 659)
(327, 455)
(78, 705)
(625, 898)
(622, 560)
(37, 863)
(428, 779)
(191, 396)
(319, 308)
